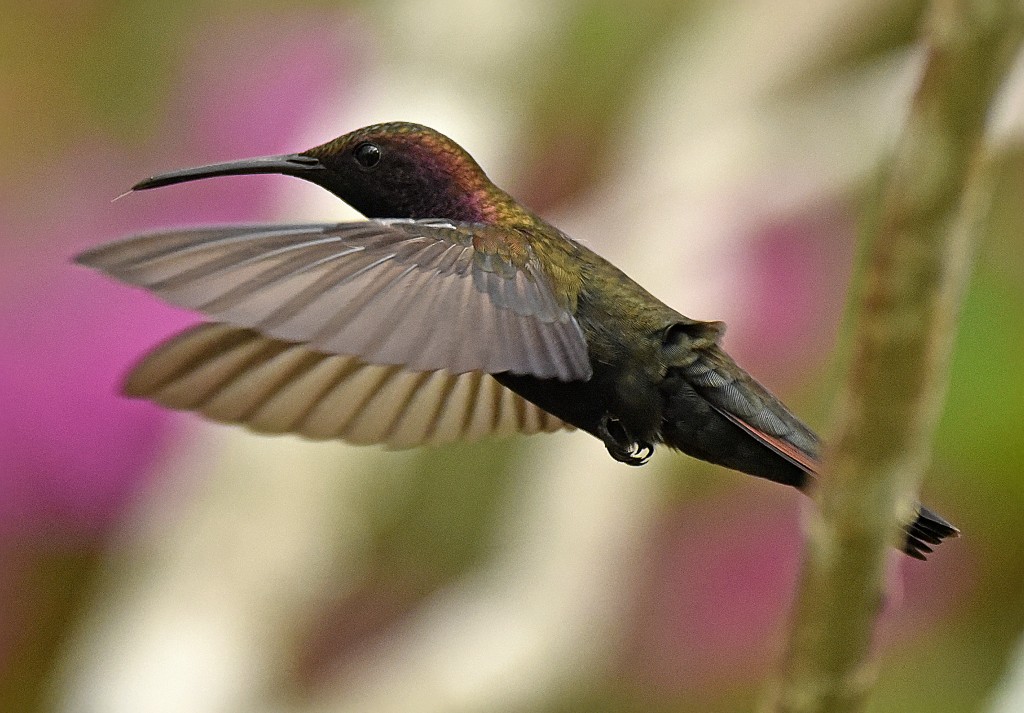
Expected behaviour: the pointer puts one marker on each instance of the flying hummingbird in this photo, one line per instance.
(452, 313)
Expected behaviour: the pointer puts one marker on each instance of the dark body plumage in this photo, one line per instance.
(420, 325)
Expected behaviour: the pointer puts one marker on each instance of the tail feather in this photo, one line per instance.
(712, 386)
(927, 529)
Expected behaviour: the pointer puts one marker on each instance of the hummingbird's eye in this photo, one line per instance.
(368, 155)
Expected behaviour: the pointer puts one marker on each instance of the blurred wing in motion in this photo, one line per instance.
(426, 295)
(236, 375)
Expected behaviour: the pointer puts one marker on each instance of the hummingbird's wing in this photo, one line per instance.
(740, 398)
(236, 375)
(426, 295)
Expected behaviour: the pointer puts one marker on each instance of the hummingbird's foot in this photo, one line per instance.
(620, 444)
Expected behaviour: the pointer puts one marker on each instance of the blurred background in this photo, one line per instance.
(728, 156)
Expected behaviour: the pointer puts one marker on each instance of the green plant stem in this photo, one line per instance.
(918, 261)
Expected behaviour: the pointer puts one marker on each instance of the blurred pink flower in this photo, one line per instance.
(720, 581)
(73, 452)
(796, 274)
(719, 589)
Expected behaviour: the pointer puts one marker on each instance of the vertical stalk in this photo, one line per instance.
(919, 257)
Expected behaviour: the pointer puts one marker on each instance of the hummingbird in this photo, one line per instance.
(453, 312)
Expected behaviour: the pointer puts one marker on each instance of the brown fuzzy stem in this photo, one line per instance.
(934, 201)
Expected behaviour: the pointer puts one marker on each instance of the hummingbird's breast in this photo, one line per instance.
(623, 325)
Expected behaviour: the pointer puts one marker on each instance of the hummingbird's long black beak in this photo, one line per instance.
(289, 164)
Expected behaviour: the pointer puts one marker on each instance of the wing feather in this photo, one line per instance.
(423, 295)
(237, 375)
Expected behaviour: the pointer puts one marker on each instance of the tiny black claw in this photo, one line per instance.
(642, 453)
(625, 455)
(620, 444)
(634, 459)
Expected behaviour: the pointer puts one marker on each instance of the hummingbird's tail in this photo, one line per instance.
(927, 529)
(717, 412)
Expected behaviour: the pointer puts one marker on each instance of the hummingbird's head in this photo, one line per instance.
(394, 170)
(402, 170)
